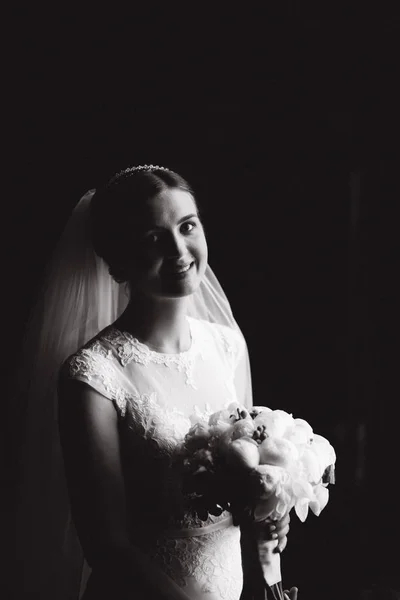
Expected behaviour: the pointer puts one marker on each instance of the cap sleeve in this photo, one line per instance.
(95, 367)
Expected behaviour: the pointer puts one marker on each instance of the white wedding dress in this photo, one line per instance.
(157, 398)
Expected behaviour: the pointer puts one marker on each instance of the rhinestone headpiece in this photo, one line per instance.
(127, 172)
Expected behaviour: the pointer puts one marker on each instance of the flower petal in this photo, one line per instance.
(278, 451)
(321, 499)
(311, 465)
(301, 508)
(303, 489)
(242, 428)
(276, 422)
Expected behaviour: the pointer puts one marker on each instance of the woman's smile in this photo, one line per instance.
(179, 271)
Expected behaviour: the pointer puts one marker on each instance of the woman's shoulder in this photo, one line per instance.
(92, 355)
(99, 364)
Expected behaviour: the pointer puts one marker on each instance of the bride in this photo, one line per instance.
(142, 342)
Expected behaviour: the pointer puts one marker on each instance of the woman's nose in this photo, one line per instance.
(176, 245)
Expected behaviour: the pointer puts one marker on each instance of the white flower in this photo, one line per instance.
(300, 433)
(311, 466)
(243, 427)
(278, 451)
(303, 493)
(276, 422)
(271, 475)
(321, 497)
(243, 454)
(276, 500)
(315, 497)
(285, 502)
(324, 452)
(301, 508)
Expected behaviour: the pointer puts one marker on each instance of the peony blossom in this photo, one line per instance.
(276, 422)
(278, 451)
(243, 454)
(300, 433)
(243, 427)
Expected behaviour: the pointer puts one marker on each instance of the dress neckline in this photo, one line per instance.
(148, 351)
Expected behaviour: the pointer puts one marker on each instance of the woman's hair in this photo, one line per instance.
(117, 206)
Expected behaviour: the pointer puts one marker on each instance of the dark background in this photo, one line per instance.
(287, 126)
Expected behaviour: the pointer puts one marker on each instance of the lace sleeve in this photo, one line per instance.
(94, 366)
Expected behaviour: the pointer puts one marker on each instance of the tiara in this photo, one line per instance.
(127, 172)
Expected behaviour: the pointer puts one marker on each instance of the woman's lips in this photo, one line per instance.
(179, 271)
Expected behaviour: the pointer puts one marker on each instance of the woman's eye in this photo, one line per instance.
(151, 238)
(188, 226)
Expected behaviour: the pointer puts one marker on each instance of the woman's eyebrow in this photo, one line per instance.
(187, 217)
(181, 220)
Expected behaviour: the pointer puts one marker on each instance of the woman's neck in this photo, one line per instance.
(161, 324)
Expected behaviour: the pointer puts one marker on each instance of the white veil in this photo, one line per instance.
(78, 298)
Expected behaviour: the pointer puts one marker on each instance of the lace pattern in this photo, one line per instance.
(129, 348)
(95, 364)
(213, 561)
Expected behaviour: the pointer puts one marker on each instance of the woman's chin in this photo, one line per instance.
(176, 287)
(182, 292)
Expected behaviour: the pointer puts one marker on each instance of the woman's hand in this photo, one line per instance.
(291, 594)
(274, 530)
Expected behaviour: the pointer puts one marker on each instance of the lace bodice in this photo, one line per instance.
(157, 397)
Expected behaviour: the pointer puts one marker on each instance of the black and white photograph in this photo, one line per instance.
(200, 270)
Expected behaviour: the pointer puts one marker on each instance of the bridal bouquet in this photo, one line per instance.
(258, 465)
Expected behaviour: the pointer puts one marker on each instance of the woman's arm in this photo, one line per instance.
(90, 442)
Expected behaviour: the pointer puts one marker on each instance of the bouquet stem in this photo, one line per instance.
(258, 570)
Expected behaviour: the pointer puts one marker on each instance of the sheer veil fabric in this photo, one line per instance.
(78, 298)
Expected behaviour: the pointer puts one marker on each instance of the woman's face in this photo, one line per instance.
(170, 255)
